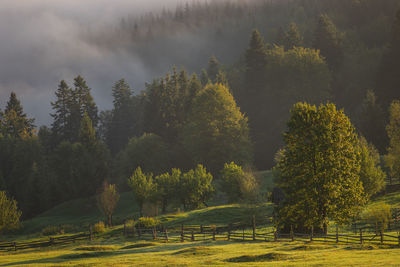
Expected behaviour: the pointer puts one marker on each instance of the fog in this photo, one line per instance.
(45, 41)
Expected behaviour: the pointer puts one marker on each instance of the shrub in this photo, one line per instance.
(147, 222)
(99, 227)
(379, 215)
(51, 230)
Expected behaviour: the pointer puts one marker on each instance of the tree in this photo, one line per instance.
(388, 78)
(107, 200)
(372, 122)
(255, 64)
(292, 37)
(238, 184)
(195, 187)
(371, 174)
(9, 213)
(392, 159)
(328, 40)
(87, 134)
(213, 69)
(142, 186)
(167, 187)
(124, 122)
(149, 152)
(217, 132)
(319, 169)
(62, 112)
(14, 121)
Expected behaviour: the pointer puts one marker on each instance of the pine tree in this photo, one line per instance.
(293, 37)
(212, 69)
(87, 134)
(14, 122)
(62, 112)
(328, 40)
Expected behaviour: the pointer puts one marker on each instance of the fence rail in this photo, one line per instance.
(231, 232)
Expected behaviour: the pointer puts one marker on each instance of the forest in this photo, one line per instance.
(205, 122)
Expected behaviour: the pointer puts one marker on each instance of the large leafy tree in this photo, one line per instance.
(168, 187)
(217, 132)
(9, 213)
(319, 168)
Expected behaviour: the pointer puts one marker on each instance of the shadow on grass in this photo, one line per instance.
(122, 251)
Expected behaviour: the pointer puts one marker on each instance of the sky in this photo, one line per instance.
(45, 41)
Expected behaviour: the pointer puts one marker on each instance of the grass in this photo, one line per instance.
(204, 254)
(112, 249)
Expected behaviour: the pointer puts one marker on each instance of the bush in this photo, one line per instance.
(147, 222)
(238, 184)
(99, 228)
(379, 215)
(51, 230)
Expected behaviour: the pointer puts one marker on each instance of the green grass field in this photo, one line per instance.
(113, 249)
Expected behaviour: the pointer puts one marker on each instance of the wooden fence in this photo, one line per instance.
(231, 232)
(14, 246)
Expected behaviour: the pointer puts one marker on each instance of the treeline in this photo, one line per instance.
(182, 120)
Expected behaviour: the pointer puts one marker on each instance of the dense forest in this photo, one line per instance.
(267, 56)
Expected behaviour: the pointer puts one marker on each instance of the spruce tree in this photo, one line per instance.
(292, 37)
(62, 111)
(328, 40)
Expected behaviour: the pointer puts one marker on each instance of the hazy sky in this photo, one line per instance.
(42, 42)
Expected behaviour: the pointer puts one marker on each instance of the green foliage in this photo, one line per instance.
(213, 69)
(371, 175)
(147, 222)
(9, 213)
(328, 40)
(291, 38)
(168, 187)
(149, 152)
(14, 122)
(320, 167)
(99, 228)
(372, 121)
(217, 132)
(142, 186)
(379, 215)
(107, 200)
(195, 187)
(238, 184)
(392, 159)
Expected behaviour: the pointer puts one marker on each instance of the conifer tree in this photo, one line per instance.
(212, 69)
(14, 122)
(62, 112)
(328, 40)
(292, 37)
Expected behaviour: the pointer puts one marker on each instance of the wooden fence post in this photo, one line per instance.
(243, 232)
(15, 246)
(201, 228)
(192, 238)
(276, 235)
(291, 233)
(90, 232)
(124, 228)
(254, 227)
(337, 234)
(154, 233)
(229, 232)
(166, 235)
(398, 237)
(380, 232)
(361, 237)
(312, 233)
(214, 228)
(182, 234)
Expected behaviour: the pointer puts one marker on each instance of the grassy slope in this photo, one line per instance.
(101, 253)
